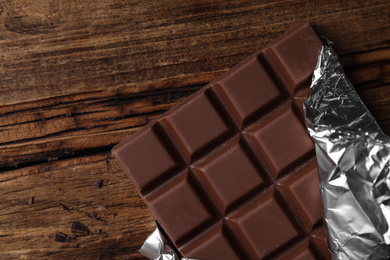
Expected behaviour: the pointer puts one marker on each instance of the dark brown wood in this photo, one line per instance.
(77, 77)
(64, 192)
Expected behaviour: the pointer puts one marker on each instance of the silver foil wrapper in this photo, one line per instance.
(353, 163)
(156, 247)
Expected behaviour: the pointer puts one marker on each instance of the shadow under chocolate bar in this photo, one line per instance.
(230, 173)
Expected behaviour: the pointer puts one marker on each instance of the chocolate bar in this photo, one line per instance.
(230, 173)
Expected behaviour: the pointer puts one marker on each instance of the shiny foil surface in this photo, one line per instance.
(156, 247)
(353, 162)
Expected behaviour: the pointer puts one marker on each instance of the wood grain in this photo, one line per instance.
(86, 123)
(77, 77)
(27, 231)
(57, 47)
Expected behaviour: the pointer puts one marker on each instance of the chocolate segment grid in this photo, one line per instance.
(230, 173)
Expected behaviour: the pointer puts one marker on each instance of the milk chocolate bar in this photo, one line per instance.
(230, 173)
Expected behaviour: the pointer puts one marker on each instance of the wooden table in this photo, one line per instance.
(77, 77)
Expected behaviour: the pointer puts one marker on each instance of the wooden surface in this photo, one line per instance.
(77, 77)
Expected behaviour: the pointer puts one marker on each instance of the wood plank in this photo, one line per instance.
(71, 125)
(56, 48)
(64, 192)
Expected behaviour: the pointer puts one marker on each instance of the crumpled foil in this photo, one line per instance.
(156, 247)
(353, 158)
